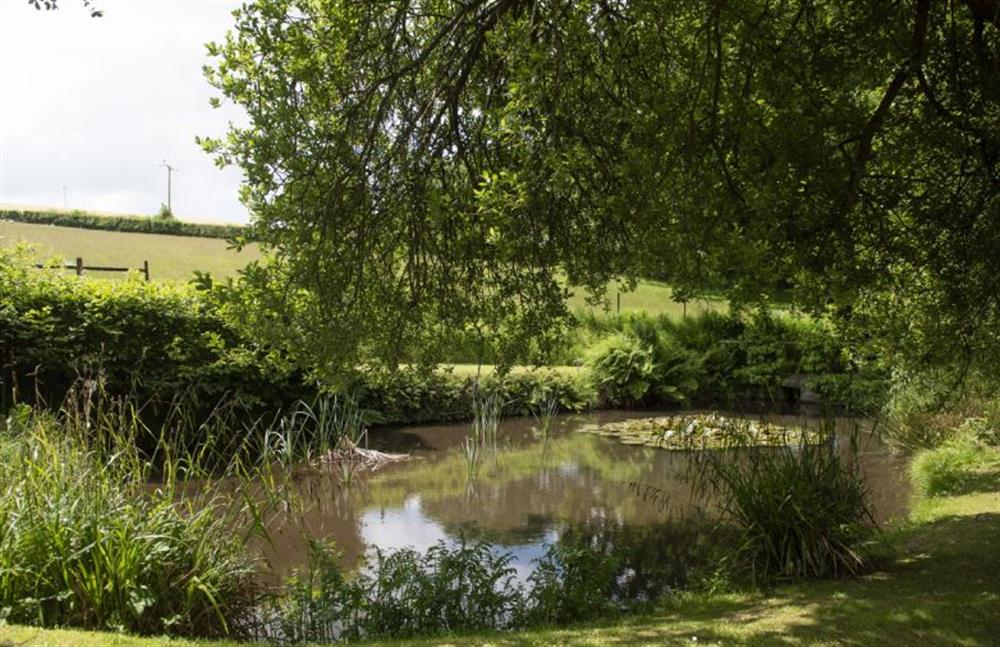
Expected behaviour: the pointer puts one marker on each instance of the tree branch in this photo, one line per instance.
(865, 140)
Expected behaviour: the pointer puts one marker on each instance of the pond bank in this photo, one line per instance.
(941, 589)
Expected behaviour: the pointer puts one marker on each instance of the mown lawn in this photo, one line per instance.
(943, 589)
(170, 257)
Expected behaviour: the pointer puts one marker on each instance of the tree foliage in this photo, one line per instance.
(420, 165)
(49, 5)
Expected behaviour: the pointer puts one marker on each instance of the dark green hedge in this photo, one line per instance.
(152, 340)
(137, 224)
(159, 341)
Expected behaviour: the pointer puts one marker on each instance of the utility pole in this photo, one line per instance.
(65, 203)
(170, 172)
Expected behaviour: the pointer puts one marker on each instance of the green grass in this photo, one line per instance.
(170, 257)
(649, 296)
(942, 589)
(177, 257)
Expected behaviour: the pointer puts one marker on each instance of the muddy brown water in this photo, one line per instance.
(523, 498)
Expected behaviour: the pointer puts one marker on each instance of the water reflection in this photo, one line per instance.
(534, 493)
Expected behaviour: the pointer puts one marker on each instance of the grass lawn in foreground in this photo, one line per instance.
(944, 589)
(170, 257)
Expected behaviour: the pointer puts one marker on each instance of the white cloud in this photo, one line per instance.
(95, 104)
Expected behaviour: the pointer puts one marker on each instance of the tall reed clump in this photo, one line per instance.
(545, 408)
(312, 432)
(803, 509)
(484, 431)
(87, 541)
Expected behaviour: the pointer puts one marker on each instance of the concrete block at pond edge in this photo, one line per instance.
(797, 382)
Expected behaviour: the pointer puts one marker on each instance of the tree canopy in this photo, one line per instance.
(49, 5)
(417, 166)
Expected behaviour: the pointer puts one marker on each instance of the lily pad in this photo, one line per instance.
(703, 431)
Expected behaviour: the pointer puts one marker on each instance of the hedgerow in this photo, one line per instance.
(137, 224)
(158, 342)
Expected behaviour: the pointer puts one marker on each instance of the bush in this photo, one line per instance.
(402, 593)
(960, 463)
(158, 342)
(415, 395)
(622, 369)
(137, 224)
(946, 470)
(573, 582)
(161, 341)
(155, 341)
(589, 573)
(639, 359)
(803, 509)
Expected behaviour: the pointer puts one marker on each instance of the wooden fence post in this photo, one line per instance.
(79, 266)
(145, 269)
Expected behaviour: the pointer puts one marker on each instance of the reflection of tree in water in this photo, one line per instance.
(653, 559)
(533, 530)
(328, 511)
(571, 481)
(512, 508)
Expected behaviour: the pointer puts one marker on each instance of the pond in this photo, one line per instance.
(526, 496)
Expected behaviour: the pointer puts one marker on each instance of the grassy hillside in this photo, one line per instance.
(170, 257)
(177, 257)
(649, 296)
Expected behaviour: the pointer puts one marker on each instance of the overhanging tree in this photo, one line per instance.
(49, 5)
(418, 166)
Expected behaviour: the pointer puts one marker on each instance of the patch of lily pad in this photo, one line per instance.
(703, 431)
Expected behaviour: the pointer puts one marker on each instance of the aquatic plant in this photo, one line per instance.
(327, 433)
(545, 407)
(86, 541)
(487, 411)
(803, 509)
(691, 432)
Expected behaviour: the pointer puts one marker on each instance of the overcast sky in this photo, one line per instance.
(95, 105)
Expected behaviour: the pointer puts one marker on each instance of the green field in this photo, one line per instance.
(170, 257)
(649, 296)
(177, 257)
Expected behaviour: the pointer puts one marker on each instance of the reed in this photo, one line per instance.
(93, 536)
(484, 431)
(802, 508)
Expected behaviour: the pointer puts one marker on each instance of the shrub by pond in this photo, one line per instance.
(803, 510)
(85, 542)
